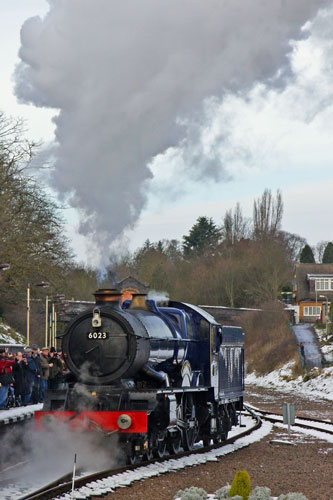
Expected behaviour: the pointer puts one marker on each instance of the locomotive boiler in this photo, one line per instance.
(161, 376)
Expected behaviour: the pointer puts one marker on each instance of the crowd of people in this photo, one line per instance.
(25, 376)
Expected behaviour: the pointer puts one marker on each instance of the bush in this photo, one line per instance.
(241, 485)
(314, 373)
(223, 492)
(192, 493)
(260, 493)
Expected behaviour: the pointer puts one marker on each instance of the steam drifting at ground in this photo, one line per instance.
(49, 454)
(129, 80)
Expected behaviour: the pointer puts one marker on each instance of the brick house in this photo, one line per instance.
(313, 291)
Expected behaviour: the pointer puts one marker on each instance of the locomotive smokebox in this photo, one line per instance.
(105, 343)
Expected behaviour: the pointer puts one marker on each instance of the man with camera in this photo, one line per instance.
(56, 370)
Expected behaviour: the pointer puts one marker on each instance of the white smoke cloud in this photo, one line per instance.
(269, 127)
(129, 79)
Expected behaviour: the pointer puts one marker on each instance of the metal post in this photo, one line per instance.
(55, 329)
(288, 417)
(73, 478)
(28, 314)
(46, 321)
(53, 334)
(326, 312)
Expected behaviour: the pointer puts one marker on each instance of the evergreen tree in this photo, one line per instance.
(203, 236)
(306, 256)
(328, 254)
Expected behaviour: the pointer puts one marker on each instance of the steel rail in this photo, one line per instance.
(276, 418)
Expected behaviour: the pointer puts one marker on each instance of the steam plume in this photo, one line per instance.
(128, 77)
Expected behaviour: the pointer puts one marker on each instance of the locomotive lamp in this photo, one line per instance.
(96, 320)
(124, 421)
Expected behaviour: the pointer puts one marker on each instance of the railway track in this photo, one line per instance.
(106, 481)
(103, 482)
(305, 423)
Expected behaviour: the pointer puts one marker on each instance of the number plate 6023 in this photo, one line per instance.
(98, 335)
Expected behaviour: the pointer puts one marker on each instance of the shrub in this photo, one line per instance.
(260, 493)
(241, 485)
(223, 492)
(192, 493)
(312, 374)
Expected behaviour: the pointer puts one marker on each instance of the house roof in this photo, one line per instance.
(131, 283)
(304, 271)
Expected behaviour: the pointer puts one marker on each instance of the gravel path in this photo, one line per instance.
(306, 466)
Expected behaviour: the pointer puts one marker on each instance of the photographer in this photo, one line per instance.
(30, 374)
(46, 366)
(56, 370)
(6, 376)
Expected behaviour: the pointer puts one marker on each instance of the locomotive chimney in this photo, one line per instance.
(108, 297)
(139, 301)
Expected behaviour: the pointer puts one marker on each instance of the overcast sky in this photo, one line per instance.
(156, 112)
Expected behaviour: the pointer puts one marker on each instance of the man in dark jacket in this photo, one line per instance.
(37, 386)
(30, 374)
(56, 370)
(46, 365)
(6, 364)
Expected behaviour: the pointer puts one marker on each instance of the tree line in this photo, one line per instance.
(32, 237)
(244, 262)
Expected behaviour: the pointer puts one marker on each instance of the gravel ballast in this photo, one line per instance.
(306, 466)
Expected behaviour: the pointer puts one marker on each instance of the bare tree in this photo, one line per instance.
(267, 215)
(235, 226)
(319, 250)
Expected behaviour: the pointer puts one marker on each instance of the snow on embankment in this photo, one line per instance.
(9, 336)
(319, 386)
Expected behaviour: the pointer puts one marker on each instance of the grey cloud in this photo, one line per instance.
(122, 73)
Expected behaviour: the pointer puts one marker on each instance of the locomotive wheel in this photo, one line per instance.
(190, 433)
(160, 446)
(174, 444)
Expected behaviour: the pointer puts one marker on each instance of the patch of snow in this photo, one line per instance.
(9, 336)
(322, 436)
(19, 412)
(320, 386)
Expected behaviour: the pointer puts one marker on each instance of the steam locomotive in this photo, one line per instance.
(161, 376)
